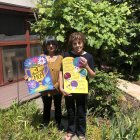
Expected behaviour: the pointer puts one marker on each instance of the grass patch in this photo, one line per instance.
(23, 123)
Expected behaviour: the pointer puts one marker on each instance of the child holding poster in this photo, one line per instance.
(54, 61)
(76, 103)
(50, 47)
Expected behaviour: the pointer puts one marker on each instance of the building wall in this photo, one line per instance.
(23, 3)
(16, 42)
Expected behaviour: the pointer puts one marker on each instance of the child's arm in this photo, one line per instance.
(61, 84)
(90, 71)
(56, 85)
(84, 63)
(26, 77)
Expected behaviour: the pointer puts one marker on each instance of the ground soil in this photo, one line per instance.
(137, 82)
(132, 102)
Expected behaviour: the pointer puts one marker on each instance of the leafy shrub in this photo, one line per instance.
(103, 24)
(104, 96)
(108, 27)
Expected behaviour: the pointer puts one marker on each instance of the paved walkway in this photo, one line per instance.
(15, 92)
(130, 88)
(18, 92)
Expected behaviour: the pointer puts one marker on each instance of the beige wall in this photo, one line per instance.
(23, 3)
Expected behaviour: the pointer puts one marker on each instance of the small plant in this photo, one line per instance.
(104, 95)
(123, 127)
(22, 123)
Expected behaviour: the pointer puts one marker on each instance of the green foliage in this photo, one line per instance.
(107, 27)
(104, 95)
(122, 127)
(129, 55)
(103, 24)
(23, 123)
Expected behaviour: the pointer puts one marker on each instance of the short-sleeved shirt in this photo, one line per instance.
(54, 70)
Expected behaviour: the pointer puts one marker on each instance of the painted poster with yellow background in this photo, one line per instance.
(74, 76)
(36, 68)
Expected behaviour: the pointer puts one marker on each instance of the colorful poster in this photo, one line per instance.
(74, 76)
(36, 68)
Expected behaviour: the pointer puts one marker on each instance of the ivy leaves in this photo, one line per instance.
(103, 23)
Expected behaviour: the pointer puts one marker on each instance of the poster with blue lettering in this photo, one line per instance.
(39, 77)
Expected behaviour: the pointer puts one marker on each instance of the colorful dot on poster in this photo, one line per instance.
(67, 76)
(76, 62)
(74, 84)
(83, 72)
(33, 84)
(47, 79)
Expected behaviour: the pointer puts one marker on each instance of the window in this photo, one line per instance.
(36, 50)
(13, 59)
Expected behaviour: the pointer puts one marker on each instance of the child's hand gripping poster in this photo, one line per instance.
(74, 76)
(39, 78)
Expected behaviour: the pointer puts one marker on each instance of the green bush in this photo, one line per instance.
(108, 27)
(104, 95)
(104, 25)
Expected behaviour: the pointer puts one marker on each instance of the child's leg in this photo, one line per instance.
(57, 103)
(47, 101)
(81, 105)
(70, 105)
